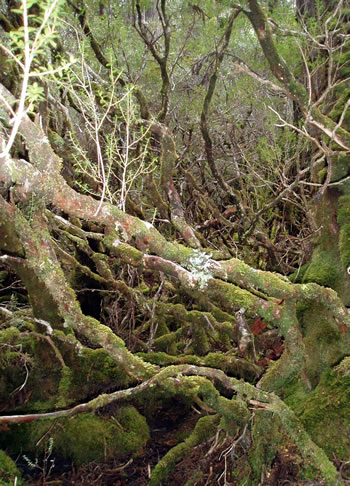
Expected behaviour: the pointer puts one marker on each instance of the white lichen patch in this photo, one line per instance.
(116, 243)
(26, 185)
(192, 281)
(200, 265)
(25, 162)
(148, 225)
(80, 349)
(46, 324)
(11, 166)
(61, 220)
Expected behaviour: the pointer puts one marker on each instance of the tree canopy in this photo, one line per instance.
(174, 242)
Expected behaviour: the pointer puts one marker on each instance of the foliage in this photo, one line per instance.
(165, 166)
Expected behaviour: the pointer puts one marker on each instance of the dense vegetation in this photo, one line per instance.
(174, 242)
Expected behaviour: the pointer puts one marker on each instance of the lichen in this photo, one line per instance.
(199, 264)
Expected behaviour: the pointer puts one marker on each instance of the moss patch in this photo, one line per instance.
(83, 438)
(324, 269)
(8, 471)
(325, 414)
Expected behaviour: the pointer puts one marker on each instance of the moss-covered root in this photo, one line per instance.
(204, 429)
(293, 359)
(232, 413)
(228, 363)
(42, 261)
(234, 410)
(309, 450)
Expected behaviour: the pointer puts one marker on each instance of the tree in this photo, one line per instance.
(148, 295)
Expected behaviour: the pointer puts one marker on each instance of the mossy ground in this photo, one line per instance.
(82, 439)
(9, 473)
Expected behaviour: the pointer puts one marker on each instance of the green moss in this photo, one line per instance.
(174, 312)
(325, 414)
(9, 242)
(14, 364)
(322, 174)
(341, 165)
(9, 335)
(323, 341)
(225, 330)
(343, 369)
(233, 412)
(143, 288)
(3, 274)
(295, 393)
(267, 437)
(216, 360)
(343, 215)
(166, 343)
(135, 431)
(297, 89)
(162, 328)
(200, 342)
(228, 363)
(9, 472)
(128, 253)
(324, 269)
(229, 296)
(196, 476)
(158, 358)
(344, 244)
(94, 369)
(84, 438)
(66, 371)
(298, 275)
(64, 388)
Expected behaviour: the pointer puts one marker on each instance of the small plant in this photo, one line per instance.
(25, 46)
(47, 465)
(122, 155)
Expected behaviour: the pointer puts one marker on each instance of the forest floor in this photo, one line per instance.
(214, 463)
